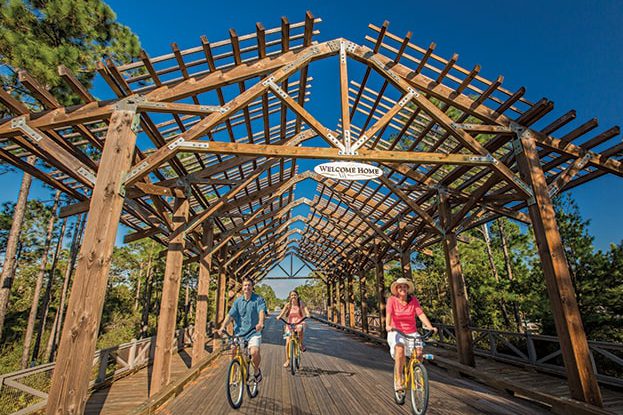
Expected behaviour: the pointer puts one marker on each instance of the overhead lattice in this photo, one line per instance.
(224, 123)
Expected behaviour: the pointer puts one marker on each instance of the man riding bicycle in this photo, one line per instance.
(402, 308)
(248, 313)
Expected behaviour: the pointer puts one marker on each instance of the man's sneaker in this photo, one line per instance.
(258, 376)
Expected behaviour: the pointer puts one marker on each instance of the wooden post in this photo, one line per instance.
(363, 294)
(350, 301)
(203, 292)
(342, 301)
(460, 306)
(161, 373)
(405, 263)
(70, 381)
(380, 293)
(221, 292)
(329, 309)
(576, 355)
(336, 301)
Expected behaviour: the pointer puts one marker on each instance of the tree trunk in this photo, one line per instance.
(137, 294)
(147, 299)
(494, 269)
(30, 327)
(509, 273)
(186, 304)
(6, 278)
(47, 297)
(75, 247)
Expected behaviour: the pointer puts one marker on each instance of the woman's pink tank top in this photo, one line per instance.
(295, 314)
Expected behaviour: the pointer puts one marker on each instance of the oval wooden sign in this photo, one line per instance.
(348, 170)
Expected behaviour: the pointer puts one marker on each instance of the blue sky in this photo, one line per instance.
(567, 51)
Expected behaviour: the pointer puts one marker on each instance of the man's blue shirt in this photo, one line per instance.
(246, 314)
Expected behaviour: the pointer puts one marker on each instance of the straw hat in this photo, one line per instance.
(400, 281)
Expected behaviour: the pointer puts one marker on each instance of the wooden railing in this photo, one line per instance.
(25, 391)
(535, 350)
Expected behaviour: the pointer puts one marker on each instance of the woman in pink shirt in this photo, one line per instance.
(294, 311)
(402, 307)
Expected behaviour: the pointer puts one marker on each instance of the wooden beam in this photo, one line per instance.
(363, 296)
(203, 292)
(380, 293)
(161, 372)
(421, 212)
(70, 380)
(145, 233)
(350, 301)
(456, 281)
(576, 355)
(364, 154)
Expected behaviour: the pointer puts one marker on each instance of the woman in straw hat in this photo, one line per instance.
(402, 307)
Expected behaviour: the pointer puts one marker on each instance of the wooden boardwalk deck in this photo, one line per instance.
(129, 392)
(340, 375)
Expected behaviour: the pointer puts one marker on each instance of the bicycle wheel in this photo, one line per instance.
(419, 389)
(252, 387)
(399, 396)
(297, 356)
(292, 353)
(235, 384)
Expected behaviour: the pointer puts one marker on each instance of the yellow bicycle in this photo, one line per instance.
(241, 371)
(294, 349)
(415, 376)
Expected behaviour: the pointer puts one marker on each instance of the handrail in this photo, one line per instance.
(540, 351)
(25, 391)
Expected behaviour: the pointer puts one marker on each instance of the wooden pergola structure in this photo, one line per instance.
(199, 151)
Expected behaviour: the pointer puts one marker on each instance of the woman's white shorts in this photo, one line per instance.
(394, 338)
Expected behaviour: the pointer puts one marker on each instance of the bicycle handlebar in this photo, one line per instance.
(293, 324)
(425, 336)
(229, 336)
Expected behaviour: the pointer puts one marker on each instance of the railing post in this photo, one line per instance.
(103, 365)
(492, 343)
(132, 355)
(531, 349)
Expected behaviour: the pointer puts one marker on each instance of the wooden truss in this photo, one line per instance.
(198, 150)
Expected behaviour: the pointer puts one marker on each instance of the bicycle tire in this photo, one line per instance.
(252, 386)
(235, 376)
(419, 389)
(292, 357)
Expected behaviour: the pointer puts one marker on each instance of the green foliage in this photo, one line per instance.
(269, 295)
(41, 35)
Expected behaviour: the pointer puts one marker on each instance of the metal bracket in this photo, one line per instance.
(194, 144)
(135, 171)
(136, 122)
(176, 143)
(87, 174)
(21, 124)
(129, 103)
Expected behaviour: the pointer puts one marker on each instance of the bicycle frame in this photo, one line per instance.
(293, 348)
(411, 383)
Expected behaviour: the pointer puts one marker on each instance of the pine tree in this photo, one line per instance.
(38, 36)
